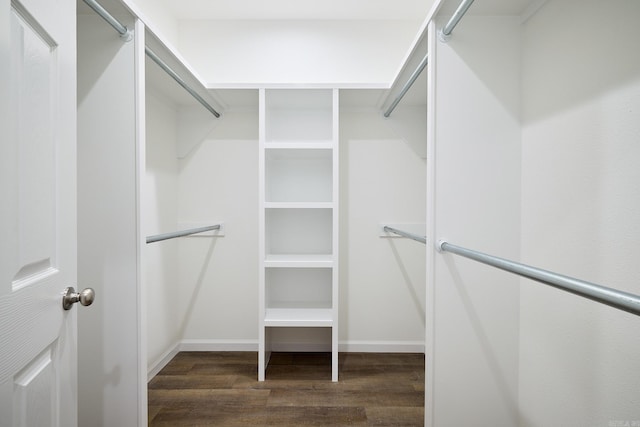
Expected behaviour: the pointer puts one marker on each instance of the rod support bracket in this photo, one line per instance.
(444, 38)
(127, 36)
(439, 244)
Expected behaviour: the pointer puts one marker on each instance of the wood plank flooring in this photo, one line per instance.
(221, 389)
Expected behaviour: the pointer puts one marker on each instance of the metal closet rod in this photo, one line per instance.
(612, 297)
(125, 33)
(421, 239)
(445, 32)
(151, 54)
(173, 235)
(407, 85)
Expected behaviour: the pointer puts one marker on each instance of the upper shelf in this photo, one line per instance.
(299, 115)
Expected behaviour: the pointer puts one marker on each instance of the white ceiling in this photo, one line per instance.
(299, 9)
(415, 10)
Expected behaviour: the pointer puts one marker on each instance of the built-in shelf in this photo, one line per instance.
(298, 216)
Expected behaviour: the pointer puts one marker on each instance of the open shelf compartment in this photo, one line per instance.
(298, 231)
(295, 175)
(299, 115)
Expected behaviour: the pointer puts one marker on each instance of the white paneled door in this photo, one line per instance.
(38, 348)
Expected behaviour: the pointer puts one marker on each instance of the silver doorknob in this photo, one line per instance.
(70, 297)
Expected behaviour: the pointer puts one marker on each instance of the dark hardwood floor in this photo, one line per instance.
(221, 389)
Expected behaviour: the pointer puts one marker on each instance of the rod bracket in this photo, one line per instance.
(127, 36)
(444, 38)
(439, 247)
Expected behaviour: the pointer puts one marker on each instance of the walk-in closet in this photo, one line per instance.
(350, 212)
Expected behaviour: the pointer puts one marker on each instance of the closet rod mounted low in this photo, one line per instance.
(421, 239)
(173, 235)
(407, 85)
(612, 297)
(125, 33)
(445, 33)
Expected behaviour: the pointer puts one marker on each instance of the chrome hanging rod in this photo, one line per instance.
(173, 235)
(421, 239)
(612, 297)
(151, 54)
(124, 32)
(407, 85)
(445, 33)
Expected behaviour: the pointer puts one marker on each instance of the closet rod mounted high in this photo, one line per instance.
(125, 33)
(421, 239)
(612, 297)
(407, 85)
(151, 54)
(173, 235)
(445, 33)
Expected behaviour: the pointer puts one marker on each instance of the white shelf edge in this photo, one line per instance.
(299, 261)
(298, 205)
(298, 317)
(300, 145)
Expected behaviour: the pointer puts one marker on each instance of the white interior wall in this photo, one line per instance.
(160, 206)
(219, 276)
(252, 52)
(473, 161)
(156, 13)
(382, 280)
(580, 210)
(109, 351)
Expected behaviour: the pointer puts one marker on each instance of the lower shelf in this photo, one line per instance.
(298, 317)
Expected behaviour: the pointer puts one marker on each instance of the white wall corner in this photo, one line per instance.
(155, 367)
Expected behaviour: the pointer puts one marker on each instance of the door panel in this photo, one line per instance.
(33, 59)
(38, 217)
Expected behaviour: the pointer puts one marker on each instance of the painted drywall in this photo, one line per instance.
(219, 275)
(108, 330)
(159, 18)
(474, 198)
(159, 200)
(240, 53)
(580, 210)
(382, 280)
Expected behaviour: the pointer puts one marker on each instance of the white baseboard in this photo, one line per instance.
(219, 345)
(166, 357)
(345, 346)
(251, 345)
(381, 347)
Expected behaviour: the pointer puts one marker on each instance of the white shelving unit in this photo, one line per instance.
(298, 215)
